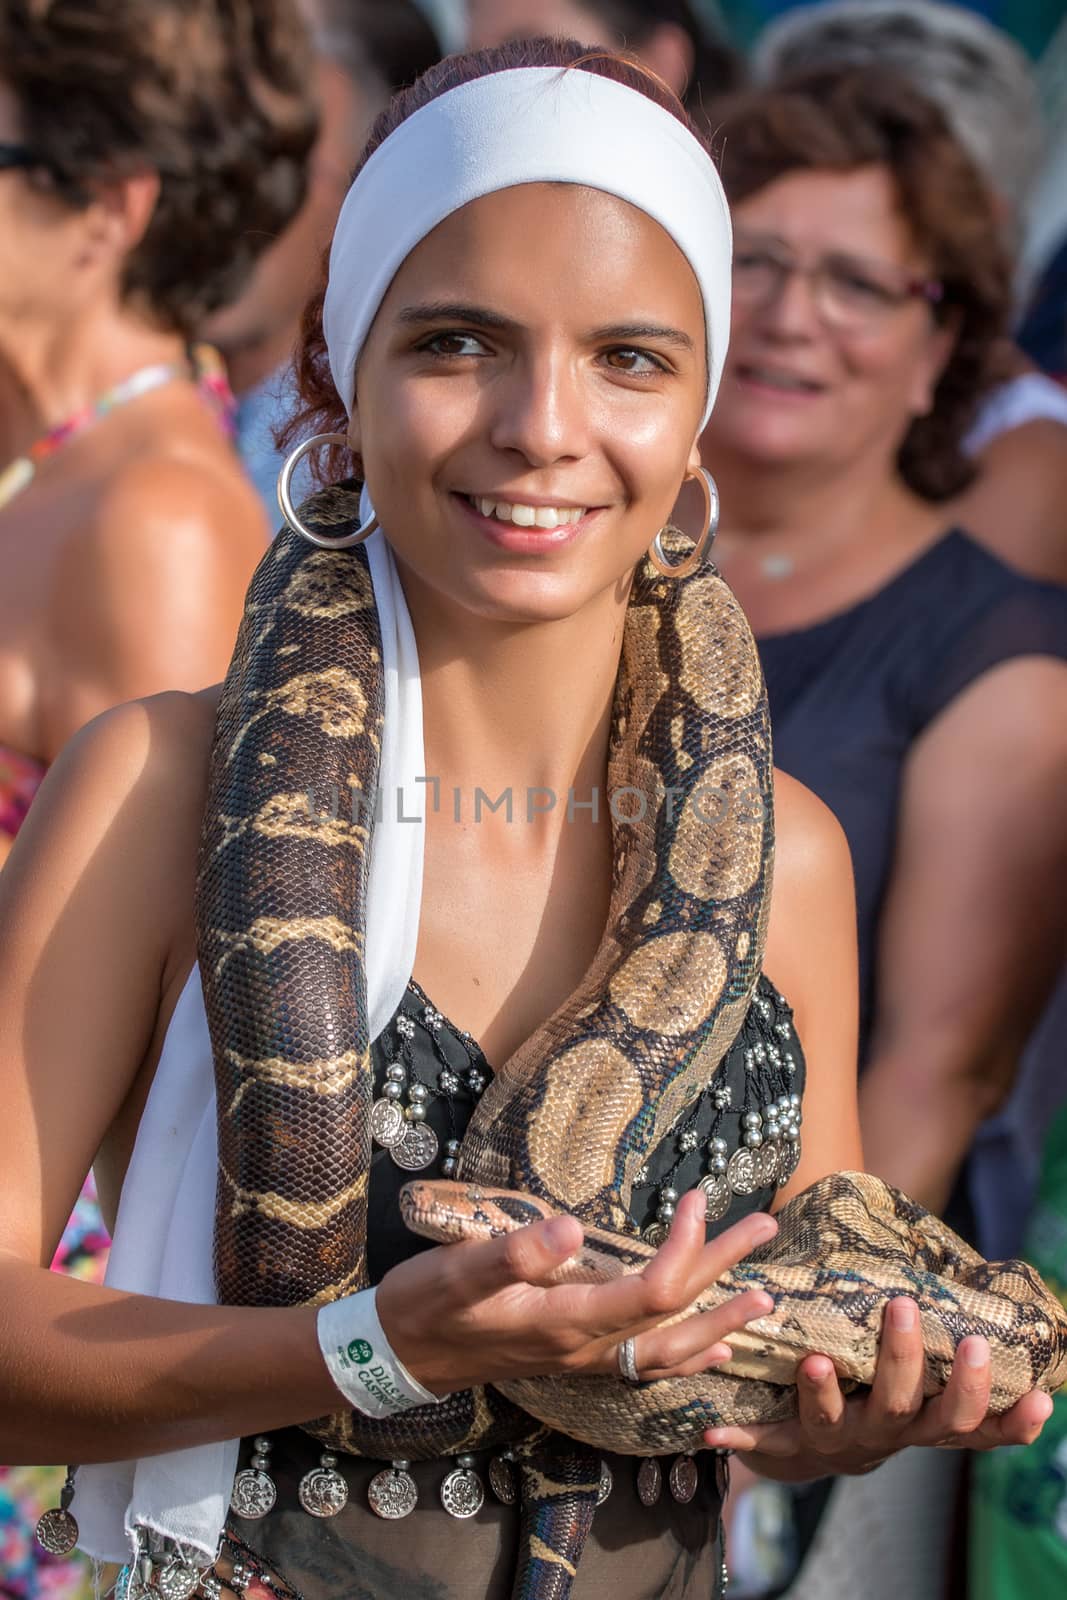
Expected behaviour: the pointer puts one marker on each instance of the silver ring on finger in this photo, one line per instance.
(627, 1360)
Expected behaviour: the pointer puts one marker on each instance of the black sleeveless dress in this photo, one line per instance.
(668, 1550)
(849, 696)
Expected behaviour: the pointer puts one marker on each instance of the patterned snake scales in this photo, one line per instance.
(569, 1119)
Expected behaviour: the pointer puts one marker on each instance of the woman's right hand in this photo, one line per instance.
(473, 1313)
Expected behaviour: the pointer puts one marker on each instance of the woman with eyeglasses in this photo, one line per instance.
(916, 683)
(149, 151)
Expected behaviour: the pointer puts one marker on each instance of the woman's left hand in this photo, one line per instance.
(835, 1433)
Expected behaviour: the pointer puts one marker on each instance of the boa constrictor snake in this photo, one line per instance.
(568, 1120)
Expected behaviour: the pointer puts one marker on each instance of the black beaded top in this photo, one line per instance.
(764, 1067)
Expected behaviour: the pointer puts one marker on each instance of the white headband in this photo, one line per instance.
(531, 125)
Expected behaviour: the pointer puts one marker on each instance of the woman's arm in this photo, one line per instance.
(95, 925)
(974, 923)
(150, 596)
(1018, 504)
(96, 918)
(811, 956)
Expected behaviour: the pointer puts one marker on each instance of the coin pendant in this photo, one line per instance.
(649, 1481)
(683, 1479)
(387, 1123)
(743, 1173)
(718, 1195)
(502, 1480)
(654, 1234)
(417, 1149)
(176, 1581)
(607, 1483)
(462, 1494)
(253, 1494)
(323, 1492)
(769, 1162)
(57, 1532)
(788, 1161)
(392, 1494)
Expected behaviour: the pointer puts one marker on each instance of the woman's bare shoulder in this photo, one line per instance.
(155, 745)
(117, 819)
(813, 884)
(810, 843)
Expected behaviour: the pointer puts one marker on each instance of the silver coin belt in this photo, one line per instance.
(164, 1569)
(392, 1492)
(763, 1151)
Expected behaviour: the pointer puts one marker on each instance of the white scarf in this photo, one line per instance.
(164, 1233)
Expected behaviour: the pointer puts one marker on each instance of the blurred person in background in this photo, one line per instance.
(916, 682)
(987, 89)
(147, 150)
(364, 52)
(1017, 503)
(668, 36)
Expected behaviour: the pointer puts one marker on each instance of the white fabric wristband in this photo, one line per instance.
(361, 1360)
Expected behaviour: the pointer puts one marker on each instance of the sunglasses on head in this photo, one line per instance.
(19, 155)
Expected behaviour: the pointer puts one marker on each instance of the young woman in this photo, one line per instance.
(523, 424)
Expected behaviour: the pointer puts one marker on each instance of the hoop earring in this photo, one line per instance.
(698, 554)
(289, 511)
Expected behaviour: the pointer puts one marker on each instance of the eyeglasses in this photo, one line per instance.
(19, 155)
(848, 292)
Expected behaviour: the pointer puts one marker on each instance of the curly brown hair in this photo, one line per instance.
(216, 96)
(841, 119)
(321, 409)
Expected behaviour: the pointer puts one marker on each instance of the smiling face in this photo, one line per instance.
(528, 400)
(798, 388)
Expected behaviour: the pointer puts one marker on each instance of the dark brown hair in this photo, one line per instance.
(717, 67)
(217, 96)
(321, 409)
(839, 120)
(384, 45)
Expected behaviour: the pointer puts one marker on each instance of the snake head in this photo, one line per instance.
(446, 1211)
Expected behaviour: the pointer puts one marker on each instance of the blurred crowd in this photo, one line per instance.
(890, 446)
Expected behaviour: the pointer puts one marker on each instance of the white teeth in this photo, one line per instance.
(528, 516)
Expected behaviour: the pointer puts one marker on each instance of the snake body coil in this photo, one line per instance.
(569, 1119)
